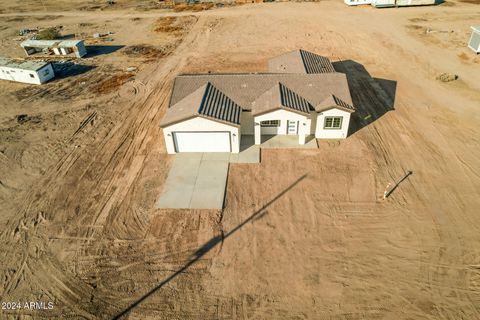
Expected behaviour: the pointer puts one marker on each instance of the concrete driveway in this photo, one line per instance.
(196, 181)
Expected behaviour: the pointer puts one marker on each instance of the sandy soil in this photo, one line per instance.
(305, 234)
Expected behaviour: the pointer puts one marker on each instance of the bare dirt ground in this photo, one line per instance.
(305, 234)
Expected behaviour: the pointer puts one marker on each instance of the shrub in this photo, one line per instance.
(48, 34)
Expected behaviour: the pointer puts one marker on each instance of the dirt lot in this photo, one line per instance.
(305, 234)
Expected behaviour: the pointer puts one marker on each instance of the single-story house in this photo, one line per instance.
(74, 48)
(474, 42)
(33, 72)
(301, 95)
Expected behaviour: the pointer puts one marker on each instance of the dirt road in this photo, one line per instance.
(306, 233)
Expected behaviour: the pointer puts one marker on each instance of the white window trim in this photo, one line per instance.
(270, 123)
(333, 120)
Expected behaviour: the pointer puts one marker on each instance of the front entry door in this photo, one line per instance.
(292, 127)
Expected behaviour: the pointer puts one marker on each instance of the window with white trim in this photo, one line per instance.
(333, 123)
(270, 123)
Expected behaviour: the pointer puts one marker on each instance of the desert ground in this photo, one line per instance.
(305, 234)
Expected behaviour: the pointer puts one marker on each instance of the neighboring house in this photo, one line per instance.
(474, 42)
(33, 72)
(74, 48)
(302, 95)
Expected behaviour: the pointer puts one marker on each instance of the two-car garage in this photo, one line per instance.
(199, 134)
(204, 121)
(198, 141)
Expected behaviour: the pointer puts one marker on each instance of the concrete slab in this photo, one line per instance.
(209, 191)
(287, 142)
(249, 152)
(216, 156)
(195, 181)
(180, 183)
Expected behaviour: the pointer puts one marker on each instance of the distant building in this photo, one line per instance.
(391, 3)
(474, 42)
(74, 48)
(357, 2)
(33, 72)
(402, 3)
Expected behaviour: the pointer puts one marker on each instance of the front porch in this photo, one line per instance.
(281, 123)
(277, 142)
(288, 142)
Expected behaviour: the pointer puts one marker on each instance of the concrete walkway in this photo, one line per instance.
(196, 181)
(249, 152)
(288, 142)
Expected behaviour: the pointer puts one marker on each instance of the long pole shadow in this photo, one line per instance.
(209, 245)
(388, 193)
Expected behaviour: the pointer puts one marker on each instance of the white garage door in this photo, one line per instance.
(202, 141)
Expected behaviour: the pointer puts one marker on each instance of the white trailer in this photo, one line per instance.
(383, 3)
(32, 72)
(474, 42)
(75, 48)
(401, 3)
(357, 2)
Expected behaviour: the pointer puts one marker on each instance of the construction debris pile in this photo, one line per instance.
(447, 77)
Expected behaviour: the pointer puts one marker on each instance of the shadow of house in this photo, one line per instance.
(372, 97)
(209, 245)
(247, 141)
(93, 51)
(68, 69)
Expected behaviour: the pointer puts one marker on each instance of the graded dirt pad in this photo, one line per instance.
(304, 234)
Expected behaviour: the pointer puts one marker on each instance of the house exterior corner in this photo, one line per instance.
(327, 124)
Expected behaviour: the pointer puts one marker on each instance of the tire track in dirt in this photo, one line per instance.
(123, 152)
(433, 281)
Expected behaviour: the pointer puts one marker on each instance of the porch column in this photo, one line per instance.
(301, 138)
(302, 131)
(258, 133)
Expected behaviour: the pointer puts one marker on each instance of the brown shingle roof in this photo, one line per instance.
(300, 61)
(305, 80)
(315, 63)
(279, 96)
(333, 101)
(206, 101)
(244, 89)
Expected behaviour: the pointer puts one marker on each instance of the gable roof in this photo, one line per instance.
(332, 101)
(300, 61)
(58, 43)
(244, 89)
(315, 63)
(280, 97)
(206, 101)
(32, 65)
